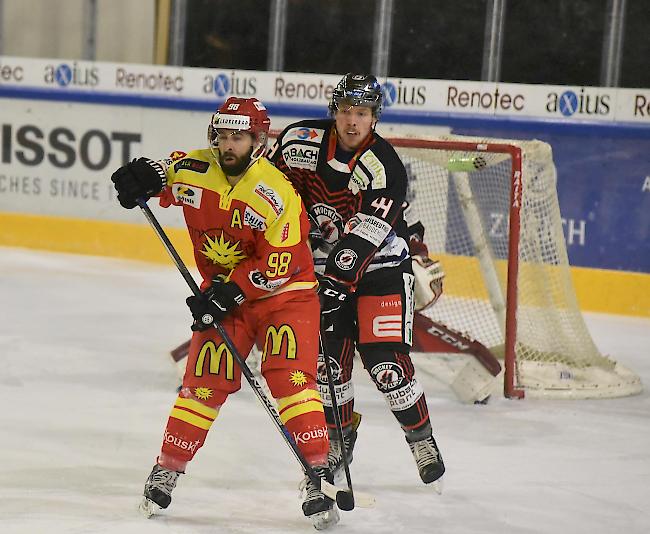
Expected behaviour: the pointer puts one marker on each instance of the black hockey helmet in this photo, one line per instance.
(357, 90)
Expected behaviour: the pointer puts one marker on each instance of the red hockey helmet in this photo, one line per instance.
(245, 114)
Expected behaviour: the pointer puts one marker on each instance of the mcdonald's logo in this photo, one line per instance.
(277, 336)
(214, 355)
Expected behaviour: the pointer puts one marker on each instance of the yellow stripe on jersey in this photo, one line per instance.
(300, 409)
(192, 419)
(194, 413)
(305, 401)
(197, 407)
(302, 396)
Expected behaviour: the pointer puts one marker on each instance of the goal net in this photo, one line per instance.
(491, 216)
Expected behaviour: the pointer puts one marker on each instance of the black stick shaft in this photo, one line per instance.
(335, 411)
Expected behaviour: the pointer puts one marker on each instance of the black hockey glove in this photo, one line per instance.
(214, 303)
(141, 178)
(332, 295)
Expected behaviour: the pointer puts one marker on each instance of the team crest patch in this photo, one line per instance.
(322, 369)
(203, 393)
(186, 194)
(329, 223)
(176, 155)
(297, 378)
(222, 251)
(387, 375)
(346, 259)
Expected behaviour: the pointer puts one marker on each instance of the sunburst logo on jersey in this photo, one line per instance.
(202, 393)
(297, 378)
(221, 251)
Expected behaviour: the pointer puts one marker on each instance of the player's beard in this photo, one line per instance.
(235, 165)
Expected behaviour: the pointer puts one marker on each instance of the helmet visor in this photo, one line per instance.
(346, 102)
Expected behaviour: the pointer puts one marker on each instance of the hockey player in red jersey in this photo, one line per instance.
(249, 231)
(354, 187)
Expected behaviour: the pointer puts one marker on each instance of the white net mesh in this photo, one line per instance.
(465, 211)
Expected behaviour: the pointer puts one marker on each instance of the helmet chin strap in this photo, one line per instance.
(260, 147)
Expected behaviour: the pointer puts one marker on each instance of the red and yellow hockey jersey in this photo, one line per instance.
(254, 233)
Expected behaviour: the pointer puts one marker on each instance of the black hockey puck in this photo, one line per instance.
(345, 500)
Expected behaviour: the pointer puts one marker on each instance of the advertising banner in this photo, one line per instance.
(66, 125)
(299, 92)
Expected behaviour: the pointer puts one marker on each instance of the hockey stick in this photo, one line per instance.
(342, 497)
(335, 411)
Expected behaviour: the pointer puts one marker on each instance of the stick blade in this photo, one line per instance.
(360, 499)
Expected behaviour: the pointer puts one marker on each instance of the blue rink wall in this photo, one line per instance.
(603, 188)
(603, 184)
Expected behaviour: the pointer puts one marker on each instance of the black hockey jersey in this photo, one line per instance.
(355, 200)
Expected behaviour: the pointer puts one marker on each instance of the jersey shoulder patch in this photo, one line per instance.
(304, 133)
(372, 171)
(177, 154)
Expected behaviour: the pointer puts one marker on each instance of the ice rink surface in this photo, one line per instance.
(86, 385)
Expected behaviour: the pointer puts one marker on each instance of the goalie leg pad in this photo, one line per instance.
(473, 383)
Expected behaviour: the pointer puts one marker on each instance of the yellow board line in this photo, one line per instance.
(597, 290)
(91, 237)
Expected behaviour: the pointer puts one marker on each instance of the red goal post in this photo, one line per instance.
(514, 152)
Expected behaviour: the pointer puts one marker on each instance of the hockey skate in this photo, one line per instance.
(429, 461)
(158, 490)
(335, 455)
(316, 506)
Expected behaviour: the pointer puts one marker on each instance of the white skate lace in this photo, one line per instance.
(308, 490)
(335, 455)
(424, 452)
(163, 480)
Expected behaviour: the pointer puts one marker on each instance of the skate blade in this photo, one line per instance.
(437, 486)
(325, 520)
(148, 508)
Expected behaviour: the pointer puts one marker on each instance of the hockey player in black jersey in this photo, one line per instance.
(354, 187)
